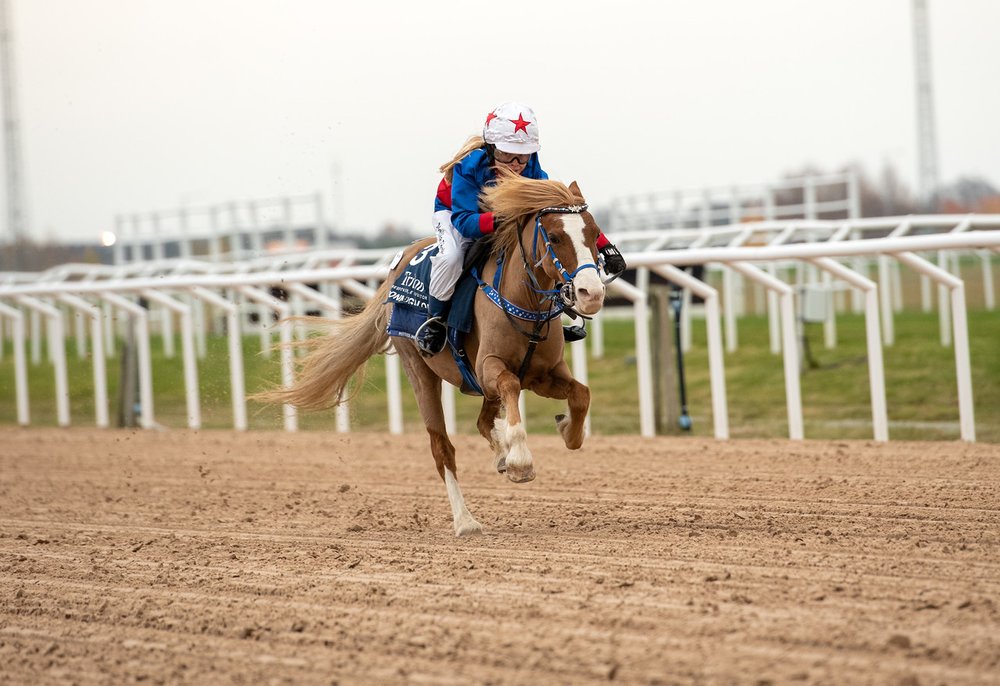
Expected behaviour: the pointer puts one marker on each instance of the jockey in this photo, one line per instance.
(509, 140)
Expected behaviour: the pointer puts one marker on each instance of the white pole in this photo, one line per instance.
(988, 294)
(729, 309)
(57, 351)
(94, 311)
(876, 371)
(786, 294)
(925, 294)
(944, 311)
(80, 333)
(597, 337)
(268, 303)
(885, 293)
(963, 367)
(187, 351)
(141, 327)
(236, 375)
(897, 287)
(643, 355)
(36, 337)
(773, 321)
(830, 323)
(107, 319)
(20, 364)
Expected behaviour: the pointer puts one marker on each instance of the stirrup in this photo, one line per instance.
(431, 336)
(574, 333)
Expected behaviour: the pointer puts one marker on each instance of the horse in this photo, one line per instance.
(546, 244)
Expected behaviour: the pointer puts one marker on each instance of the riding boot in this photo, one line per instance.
(432, 336)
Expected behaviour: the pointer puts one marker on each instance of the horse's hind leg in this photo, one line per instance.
(500, 382)
(561, 385)
(427, 387)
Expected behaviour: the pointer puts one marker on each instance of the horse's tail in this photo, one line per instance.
(335, 357)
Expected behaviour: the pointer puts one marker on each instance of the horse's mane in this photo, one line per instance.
(515, 198)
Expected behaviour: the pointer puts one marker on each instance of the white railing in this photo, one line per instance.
(228, 293)
(773, 233)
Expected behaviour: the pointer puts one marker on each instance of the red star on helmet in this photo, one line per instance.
(490, 117)
(520, 124)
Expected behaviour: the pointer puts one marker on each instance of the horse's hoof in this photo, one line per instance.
(501, 465)
(521, 476)
(468, 528)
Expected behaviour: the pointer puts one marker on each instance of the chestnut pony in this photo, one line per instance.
(548, 244)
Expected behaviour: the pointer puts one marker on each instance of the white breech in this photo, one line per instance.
(446, 266)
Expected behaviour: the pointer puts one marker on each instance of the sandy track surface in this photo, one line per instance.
(259, 558)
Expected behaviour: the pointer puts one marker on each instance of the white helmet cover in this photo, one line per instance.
(512, 127)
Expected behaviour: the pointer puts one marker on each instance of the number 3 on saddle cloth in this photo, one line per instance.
(408, 296)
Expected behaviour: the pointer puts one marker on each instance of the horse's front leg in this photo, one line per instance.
(561, 385)
(487, 427)
(509, 434)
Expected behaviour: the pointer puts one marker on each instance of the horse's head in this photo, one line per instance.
(549, 224)
(570, 233)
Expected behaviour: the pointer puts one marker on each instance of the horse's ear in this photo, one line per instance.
(575, 190)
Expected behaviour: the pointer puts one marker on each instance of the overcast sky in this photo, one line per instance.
(140, 105)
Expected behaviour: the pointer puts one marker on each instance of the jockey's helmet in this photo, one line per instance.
(512, 127)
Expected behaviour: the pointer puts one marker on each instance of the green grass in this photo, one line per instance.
(920, 382)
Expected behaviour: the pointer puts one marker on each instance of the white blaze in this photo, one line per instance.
(588, 279)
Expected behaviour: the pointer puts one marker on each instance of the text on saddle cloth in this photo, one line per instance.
(409, 294)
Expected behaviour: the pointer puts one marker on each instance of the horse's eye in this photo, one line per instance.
(555, 240)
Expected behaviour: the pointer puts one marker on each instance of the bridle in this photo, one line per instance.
(564, 293)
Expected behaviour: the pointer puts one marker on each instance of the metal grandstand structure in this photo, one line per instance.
(227, 232)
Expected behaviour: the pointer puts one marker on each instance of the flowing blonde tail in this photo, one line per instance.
(334, 357)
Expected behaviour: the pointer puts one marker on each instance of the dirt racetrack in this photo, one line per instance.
(259, 558)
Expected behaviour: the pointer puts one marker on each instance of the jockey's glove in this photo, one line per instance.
(614, 263)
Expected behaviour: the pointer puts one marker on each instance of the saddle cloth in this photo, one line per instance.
(408, 296)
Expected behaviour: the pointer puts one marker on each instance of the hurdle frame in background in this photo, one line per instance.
(833, 244)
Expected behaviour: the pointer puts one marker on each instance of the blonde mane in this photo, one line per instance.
(515, 198)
